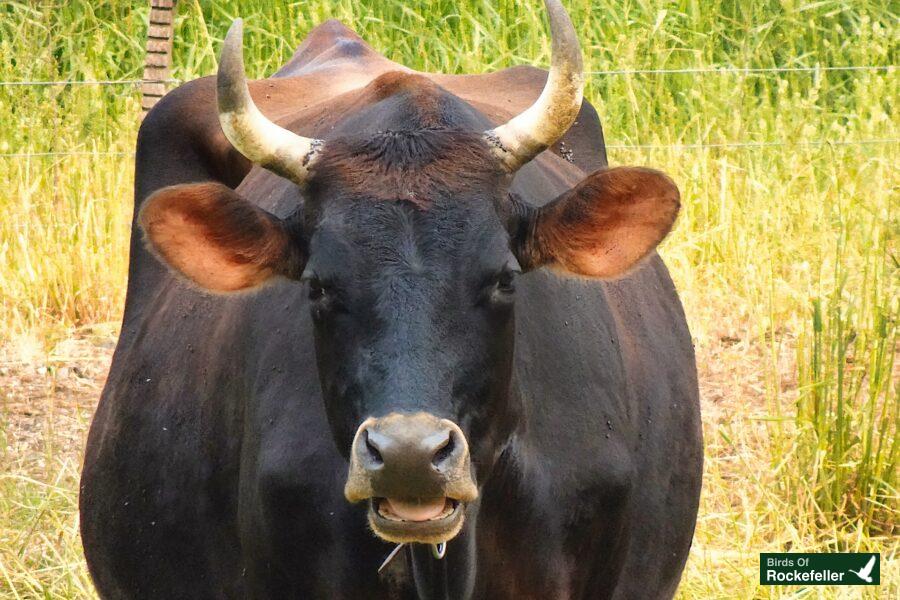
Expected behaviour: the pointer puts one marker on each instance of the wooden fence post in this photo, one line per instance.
(158, 59)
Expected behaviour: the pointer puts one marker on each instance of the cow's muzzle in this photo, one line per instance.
(415, 472)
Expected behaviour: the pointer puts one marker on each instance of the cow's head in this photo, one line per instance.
(410, 245)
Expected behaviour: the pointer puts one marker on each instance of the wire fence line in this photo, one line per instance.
(800, 143)
(743, 70)
(98, 82)
(65, 153)
(638, 146)
(713, 70)
(684, 146)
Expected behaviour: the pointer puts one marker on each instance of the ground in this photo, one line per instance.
(47, 399)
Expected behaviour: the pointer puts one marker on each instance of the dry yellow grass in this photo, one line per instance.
(767, 232)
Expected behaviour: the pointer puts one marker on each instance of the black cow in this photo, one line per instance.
(364, 337)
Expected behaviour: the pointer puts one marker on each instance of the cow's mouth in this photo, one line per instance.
(423, 520)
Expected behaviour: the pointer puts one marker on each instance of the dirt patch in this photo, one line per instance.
(47, 400)
(737, 375)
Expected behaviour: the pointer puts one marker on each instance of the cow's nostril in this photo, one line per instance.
(444, 451)
(372, 450)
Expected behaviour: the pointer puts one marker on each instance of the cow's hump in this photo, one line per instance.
(333, 45)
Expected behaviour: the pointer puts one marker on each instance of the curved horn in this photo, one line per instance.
(533, 131)
(253, 135)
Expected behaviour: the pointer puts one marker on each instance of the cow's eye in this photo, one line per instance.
(317, 290)
(503, 288)
(506, 282)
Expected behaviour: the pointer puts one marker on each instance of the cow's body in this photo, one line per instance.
(211, 470)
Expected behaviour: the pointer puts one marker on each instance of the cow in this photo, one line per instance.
(374, 313)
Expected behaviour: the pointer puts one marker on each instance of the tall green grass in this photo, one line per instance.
(785, 254)
(847, 410)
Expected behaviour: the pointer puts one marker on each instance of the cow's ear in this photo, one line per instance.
(603, 226)
(217, 239)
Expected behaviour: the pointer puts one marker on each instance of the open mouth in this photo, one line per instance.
(423, 520)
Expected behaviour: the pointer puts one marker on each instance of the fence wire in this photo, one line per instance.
(99, 82)
(743, 70)
(684, 146)
(711, 70)
(65, 153)
(800, 143)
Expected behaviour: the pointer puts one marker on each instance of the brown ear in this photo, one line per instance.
(604, 225)
(216, 238)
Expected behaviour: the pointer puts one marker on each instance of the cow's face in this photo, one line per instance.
(410, 248)
(411, 277)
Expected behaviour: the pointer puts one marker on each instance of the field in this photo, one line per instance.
(785, 253)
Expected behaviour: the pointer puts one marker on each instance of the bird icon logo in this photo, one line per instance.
(866, 572)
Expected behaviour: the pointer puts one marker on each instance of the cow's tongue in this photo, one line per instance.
(417, 510)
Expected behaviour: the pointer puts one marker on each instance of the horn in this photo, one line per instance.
(253, 135)
(533, 131)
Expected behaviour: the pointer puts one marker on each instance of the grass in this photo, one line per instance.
(785, 253)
